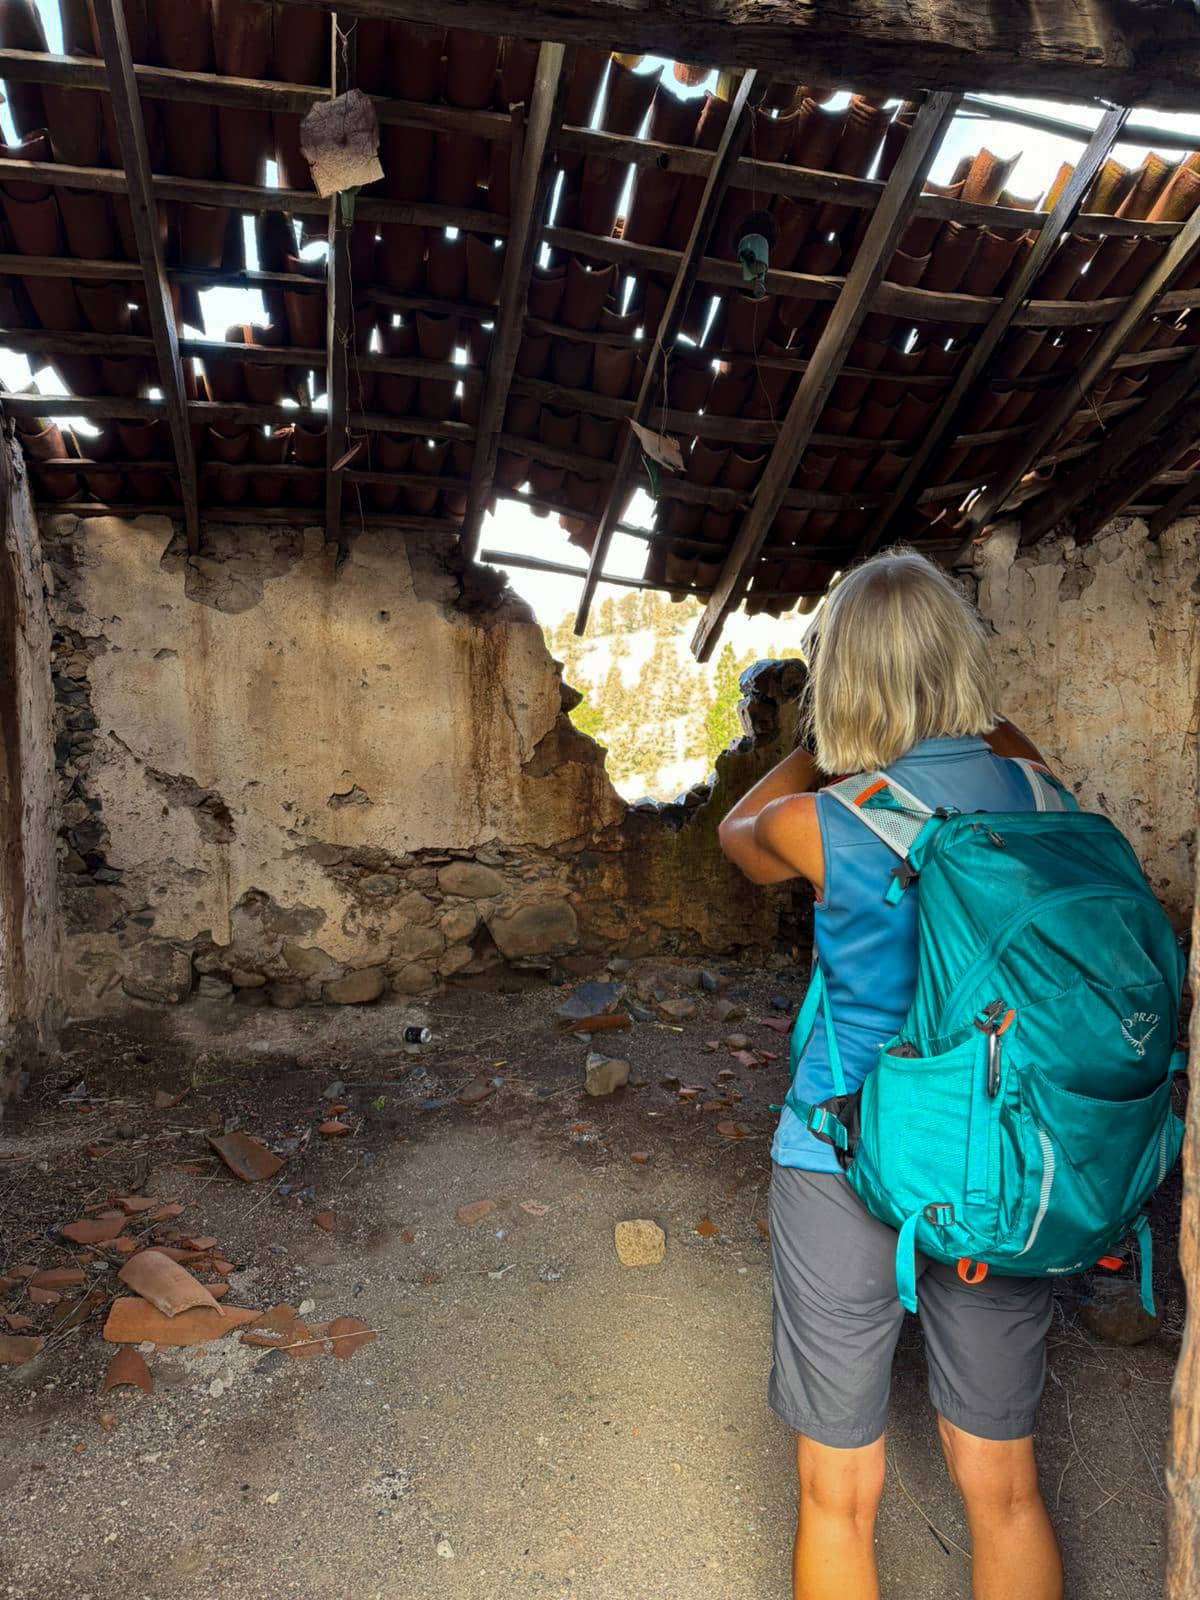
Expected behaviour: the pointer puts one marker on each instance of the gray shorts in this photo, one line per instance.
(837, 1320)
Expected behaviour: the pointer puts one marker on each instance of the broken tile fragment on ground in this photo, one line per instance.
(133, 1321)
(127, 1369)
(167, 1285)
(245, 1157)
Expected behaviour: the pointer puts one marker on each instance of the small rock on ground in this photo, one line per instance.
(640, 1243)
(678, 1010)
(605, 1074)
(590, 1000)
(1113, 1311)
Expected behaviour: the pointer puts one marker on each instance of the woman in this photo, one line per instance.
(899, 680)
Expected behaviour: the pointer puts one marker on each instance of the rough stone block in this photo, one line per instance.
(1113, 1311)
(158, 972)
(470, 880)
(591, 1000)
(640, 1243)
(416, 944)
(455, 959)
(605, 1074)
(459, 922)
(413, 979)
(287, 996)
(534, 930)
(356, 988)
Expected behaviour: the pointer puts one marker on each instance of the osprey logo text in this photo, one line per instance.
(1138, 1028)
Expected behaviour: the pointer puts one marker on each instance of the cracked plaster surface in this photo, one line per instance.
(1098, 654)
(367, 679)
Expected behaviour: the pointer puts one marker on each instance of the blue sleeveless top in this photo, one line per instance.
(867, 948)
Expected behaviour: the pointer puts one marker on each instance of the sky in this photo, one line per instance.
(513, 527)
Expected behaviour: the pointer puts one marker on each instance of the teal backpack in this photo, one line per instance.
(1022, 1117)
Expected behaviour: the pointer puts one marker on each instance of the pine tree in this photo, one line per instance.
(721, 724)
(589, 718)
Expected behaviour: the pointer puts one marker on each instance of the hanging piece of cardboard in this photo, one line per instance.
(340, 141)
(660, 447)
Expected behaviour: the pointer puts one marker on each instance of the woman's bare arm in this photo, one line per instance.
(772, 832)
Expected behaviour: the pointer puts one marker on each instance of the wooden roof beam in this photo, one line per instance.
(1099, 478)
(131, 130)
(1117, 491)
(1150, 293)
(873, 257)
(338, 312)
(1060, 49)
(1187, 494)
(720, 173)
(530, 200)
(974, 366)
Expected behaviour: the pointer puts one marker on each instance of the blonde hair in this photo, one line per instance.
(897, 655)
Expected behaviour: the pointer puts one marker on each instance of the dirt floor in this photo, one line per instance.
(532, 1418)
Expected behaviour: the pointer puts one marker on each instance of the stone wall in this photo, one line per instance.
(299, 784)
(1098, 654)
(27, 796)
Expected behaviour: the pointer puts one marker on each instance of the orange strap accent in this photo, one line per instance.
(1110, 1263)
(1008, 1017)
(972, 1272)
(874, 788)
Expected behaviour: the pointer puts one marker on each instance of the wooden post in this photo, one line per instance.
(733, 139)
(127, 112)
(338, 296)
(888, 222)
(1062, 215)
(530, 199)
(1183, 1470)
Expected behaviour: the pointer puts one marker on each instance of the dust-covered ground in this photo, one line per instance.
(532, 1418)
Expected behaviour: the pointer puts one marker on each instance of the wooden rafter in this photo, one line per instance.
(530, 200)
(720, 173)
(974, 366)
(874, 254)
(127, 113)
(1116, 492)
(1058, 49)
(1185, 495)
(1109, 473)
(338, 311)
(1150, 294)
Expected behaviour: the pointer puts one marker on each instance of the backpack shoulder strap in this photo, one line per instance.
(1048, 795)
(896, 815)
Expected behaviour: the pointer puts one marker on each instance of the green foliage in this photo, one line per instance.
(645, 699)
(721, 724)
(589, 718)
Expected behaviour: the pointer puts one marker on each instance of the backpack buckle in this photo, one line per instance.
(940, 1214)
(904, 876)
(826, 1126)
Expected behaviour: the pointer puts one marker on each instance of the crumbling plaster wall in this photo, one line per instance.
(1098, 653)
(303, 783)
(27, 790)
